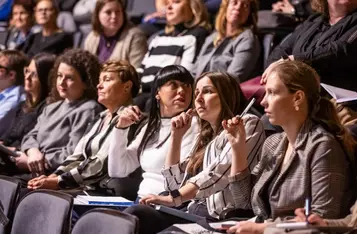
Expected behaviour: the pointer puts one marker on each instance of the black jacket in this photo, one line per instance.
(332, 52)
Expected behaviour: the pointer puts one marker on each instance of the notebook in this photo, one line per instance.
(102, 201)
(6, 151)
(305, 225)
(178, 213)
(339, 94)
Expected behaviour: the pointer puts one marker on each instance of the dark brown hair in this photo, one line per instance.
(17, 62)
(96, 25)
(27, 6)
(320, 6)
(44, 63)
(86, 64)
(297, 75)
(232, 103)
(125, 71)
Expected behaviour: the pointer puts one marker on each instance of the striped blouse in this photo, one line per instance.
(178, 48)
(212, 181)
(89, 162)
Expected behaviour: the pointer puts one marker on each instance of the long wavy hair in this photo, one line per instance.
(296, 76)
(221, 20)
(232, 103)
(172, 72)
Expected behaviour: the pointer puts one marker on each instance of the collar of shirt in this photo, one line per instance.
(7, 92)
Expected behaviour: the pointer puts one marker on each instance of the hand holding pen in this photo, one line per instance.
(311, 218)
(235, 128)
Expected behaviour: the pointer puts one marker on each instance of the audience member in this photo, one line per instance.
(114, 36)
(37, 89)
(310, 159)
(51, 39)
(12, 65)
(118, 84)
(203, 175)
(327, 41)
(298, 8)
(171, 95)
(62, 123)
(186, 29)
(233, 47)
(22, 24)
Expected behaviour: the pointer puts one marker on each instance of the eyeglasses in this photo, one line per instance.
(3, 69)
(28, 72)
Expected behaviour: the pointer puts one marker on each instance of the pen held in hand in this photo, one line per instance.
(307, 208)
(247, 108)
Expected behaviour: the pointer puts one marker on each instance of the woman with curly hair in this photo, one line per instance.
(234, 46)
(63, 122)
(327, 41)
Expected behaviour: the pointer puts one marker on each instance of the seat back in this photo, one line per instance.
(106, 221)
(267, 43)
(43, 211)
(77, 39)
(9, 192)
(136, 9)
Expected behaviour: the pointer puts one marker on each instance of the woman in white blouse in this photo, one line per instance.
(171, 95)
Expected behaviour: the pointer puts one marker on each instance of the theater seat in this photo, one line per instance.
(43, 211)
(106, 221)
(77, 39)
(9, 192)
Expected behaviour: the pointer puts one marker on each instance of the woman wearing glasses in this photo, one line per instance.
(51, 39)
(233, 47)
(37, 89)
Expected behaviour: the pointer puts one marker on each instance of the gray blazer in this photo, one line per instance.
(239, 56)
(317, 166)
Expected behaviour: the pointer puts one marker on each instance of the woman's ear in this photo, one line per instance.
(299, 98)
(127, 86)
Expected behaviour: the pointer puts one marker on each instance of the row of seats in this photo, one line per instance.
(50, 212)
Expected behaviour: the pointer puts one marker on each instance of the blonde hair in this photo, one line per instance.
(200, 17)
(221, 20)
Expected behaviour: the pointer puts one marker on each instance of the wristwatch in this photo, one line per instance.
(61, 183)
(175, 194)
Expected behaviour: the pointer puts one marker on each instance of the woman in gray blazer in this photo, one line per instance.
(233, 47)
(311, 159)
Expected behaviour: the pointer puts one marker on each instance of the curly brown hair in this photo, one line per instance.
(86, 64)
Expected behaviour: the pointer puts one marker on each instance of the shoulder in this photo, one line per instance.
(319, 137)
(88, 105)
(273, 141)
(135, 31)
(198, 31)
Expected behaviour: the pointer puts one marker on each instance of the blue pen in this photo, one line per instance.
(307, 208)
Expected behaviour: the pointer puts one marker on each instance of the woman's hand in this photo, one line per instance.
(247, 227)
(181, 123)
(36, 161)
(157, 200)
(21, 161)
(129, 116)
(313, 218)
(43, 182)
(235, 131)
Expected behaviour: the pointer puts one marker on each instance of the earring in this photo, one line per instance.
(297, 108)
(158, 103)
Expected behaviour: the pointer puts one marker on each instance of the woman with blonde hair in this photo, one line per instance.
(311, 159)
(186, 29)
(234, 46)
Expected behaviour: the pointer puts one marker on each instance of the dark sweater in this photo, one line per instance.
(21, 125)
(54, 44)
(331, 50)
